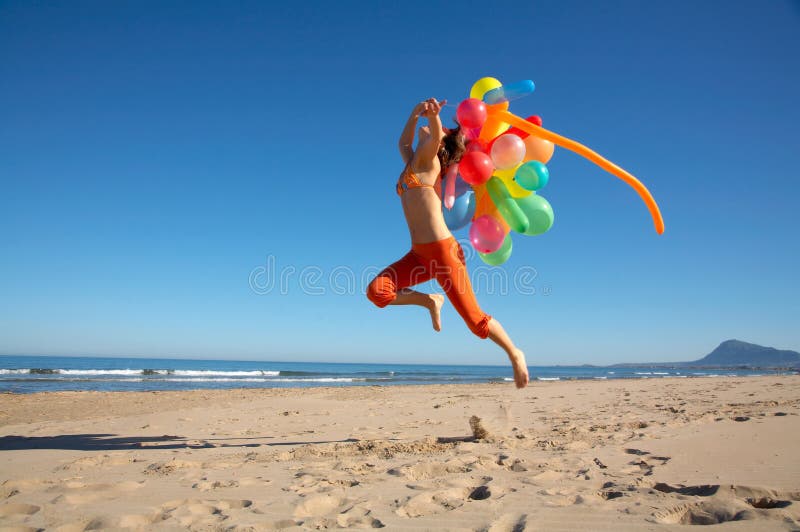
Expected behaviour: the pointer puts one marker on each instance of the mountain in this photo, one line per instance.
(734, 353)
(738, 353)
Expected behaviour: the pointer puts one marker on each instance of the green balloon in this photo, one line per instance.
(539, 214)
(496, 258)
(506, 205)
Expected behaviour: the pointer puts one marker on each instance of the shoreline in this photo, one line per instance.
(355, 382)
(639, 453)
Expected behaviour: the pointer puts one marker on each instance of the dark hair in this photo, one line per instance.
(452, 148)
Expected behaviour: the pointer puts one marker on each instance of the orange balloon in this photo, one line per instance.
(580, 149)
(493, 126)
(538, 149)
(485, 205)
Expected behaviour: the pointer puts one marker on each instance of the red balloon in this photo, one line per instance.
(476, 167)
(471, 113)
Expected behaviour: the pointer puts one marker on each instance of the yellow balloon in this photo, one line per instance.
(482, 86)
(507, 176)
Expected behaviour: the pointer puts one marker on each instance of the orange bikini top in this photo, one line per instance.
(408, 180)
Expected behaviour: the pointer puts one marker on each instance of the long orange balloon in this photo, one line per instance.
(582, 150)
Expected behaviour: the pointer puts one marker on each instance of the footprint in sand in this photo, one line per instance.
(196, 513)
(426, 470)
(717, 504)
(562, 496)
(431, 502)
(511, 522)
(18, 510)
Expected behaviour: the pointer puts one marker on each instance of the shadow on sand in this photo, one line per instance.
(113, 442)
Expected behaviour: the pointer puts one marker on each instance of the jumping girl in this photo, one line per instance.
(435, 254)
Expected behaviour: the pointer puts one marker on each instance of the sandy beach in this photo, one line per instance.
(648, 454)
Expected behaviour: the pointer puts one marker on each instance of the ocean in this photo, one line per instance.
(28, 374)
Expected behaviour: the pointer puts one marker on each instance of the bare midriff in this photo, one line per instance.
(422, 207)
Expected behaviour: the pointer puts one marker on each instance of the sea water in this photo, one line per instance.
(26, 374)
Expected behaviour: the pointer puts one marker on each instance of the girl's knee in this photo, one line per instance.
(480, 327)
(381, 291)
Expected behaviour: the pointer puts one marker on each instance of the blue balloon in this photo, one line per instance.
(462, 212)
(509, 92)
(532, 175)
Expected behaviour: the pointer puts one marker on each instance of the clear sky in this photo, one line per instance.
(155, 157)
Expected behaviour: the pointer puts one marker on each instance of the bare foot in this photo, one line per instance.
(520, 368)
(435, 307)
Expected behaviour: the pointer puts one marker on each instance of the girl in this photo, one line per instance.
(435, 254)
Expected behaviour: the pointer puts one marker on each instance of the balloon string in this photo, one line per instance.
(593, 156)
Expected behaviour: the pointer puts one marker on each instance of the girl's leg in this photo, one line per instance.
(451, 273)
(499, 336)
(432, 302)
(390, 287)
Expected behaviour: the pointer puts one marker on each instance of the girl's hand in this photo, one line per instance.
(432, 107)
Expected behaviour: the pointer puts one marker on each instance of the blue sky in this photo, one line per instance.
(154, 155)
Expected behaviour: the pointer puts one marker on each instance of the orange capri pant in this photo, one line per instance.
(442, 260)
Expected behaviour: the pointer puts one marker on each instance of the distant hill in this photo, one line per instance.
(738, 353)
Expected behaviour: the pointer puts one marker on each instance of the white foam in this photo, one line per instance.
(214, 373)
(548, 378)
(256, 379)
(99, 371)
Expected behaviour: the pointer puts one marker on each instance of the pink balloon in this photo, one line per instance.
(450, 186)
(508, 151)
(475, 167)
(471, 113)
(486, 234)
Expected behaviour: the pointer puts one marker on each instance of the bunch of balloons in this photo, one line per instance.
(494, 185)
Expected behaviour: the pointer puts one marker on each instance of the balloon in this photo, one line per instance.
(593, 156)
(493, 126)
(507, 151)
(539, 214)
(506, 205)
(533, 119)
(462, 186)
(485, 205)
(471, 113)
(513, 187)
(471, 134)
(500, 256)
(509, 92)
(475, 167)
(486, 234)
(450, 186)
(477, 145)
(538, 149)
(532, 175)
(482, 86)
(461, 213)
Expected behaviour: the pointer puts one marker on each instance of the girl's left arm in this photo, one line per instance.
(406, 142)
(428, 151)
